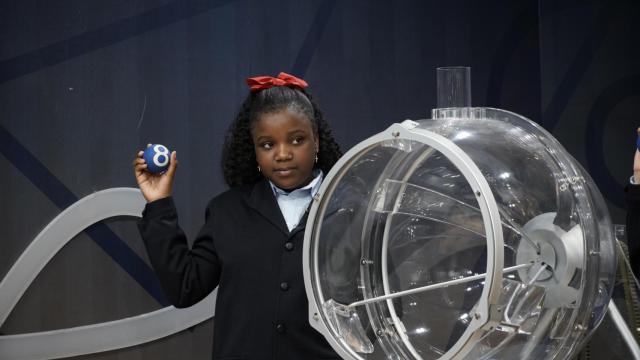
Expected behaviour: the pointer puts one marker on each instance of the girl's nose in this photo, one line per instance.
(283, 153)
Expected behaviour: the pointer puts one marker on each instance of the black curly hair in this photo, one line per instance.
(239, 165)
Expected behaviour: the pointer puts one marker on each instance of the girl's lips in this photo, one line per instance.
(284, 172)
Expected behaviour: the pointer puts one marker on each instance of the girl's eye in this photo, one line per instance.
(267, 146)
(298, 140)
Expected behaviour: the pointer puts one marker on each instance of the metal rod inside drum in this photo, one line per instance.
(435, 286)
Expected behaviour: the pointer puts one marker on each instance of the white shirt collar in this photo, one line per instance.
(314, 186)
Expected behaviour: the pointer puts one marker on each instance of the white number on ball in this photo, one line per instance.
(159, 151)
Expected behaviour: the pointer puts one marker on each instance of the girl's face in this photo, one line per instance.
(286, 146)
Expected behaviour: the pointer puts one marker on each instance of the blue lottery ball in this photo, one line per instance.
(157, 157)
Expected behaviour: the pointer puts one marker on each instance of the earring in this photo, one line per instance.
(259, 169)
(316, 158)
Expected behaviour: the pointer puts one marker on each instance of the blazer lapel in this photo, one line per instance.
(303, 221)
(264, 202)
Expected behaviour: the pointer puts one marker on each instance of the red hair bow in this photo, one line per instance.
(264, 82)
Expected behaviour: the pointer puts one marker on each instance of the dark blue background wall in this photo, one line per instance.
(85, 84)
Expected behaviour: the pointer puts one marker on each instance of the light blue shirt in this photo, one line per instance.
(294, 204)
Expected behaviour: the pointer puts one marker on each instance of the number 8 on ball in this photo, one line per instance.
(157, 157)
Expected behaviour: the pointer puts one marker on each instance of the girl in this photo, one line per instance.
(250, 247)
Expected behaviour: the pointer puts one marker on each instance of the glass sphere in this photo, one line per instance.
(470, 235)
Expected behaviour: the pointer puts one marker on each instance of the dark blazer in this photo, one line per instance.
(632, 195)
(246, 250)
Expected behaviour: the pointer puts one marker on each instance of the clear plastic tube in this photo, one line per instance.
(454, 87)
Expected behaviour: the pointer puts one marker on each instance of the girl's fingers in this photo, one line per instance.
(141, 172)
(138, 157)
(173, 164)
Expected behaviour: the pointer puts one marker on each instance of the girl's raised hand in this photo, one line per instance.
(154, 186)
